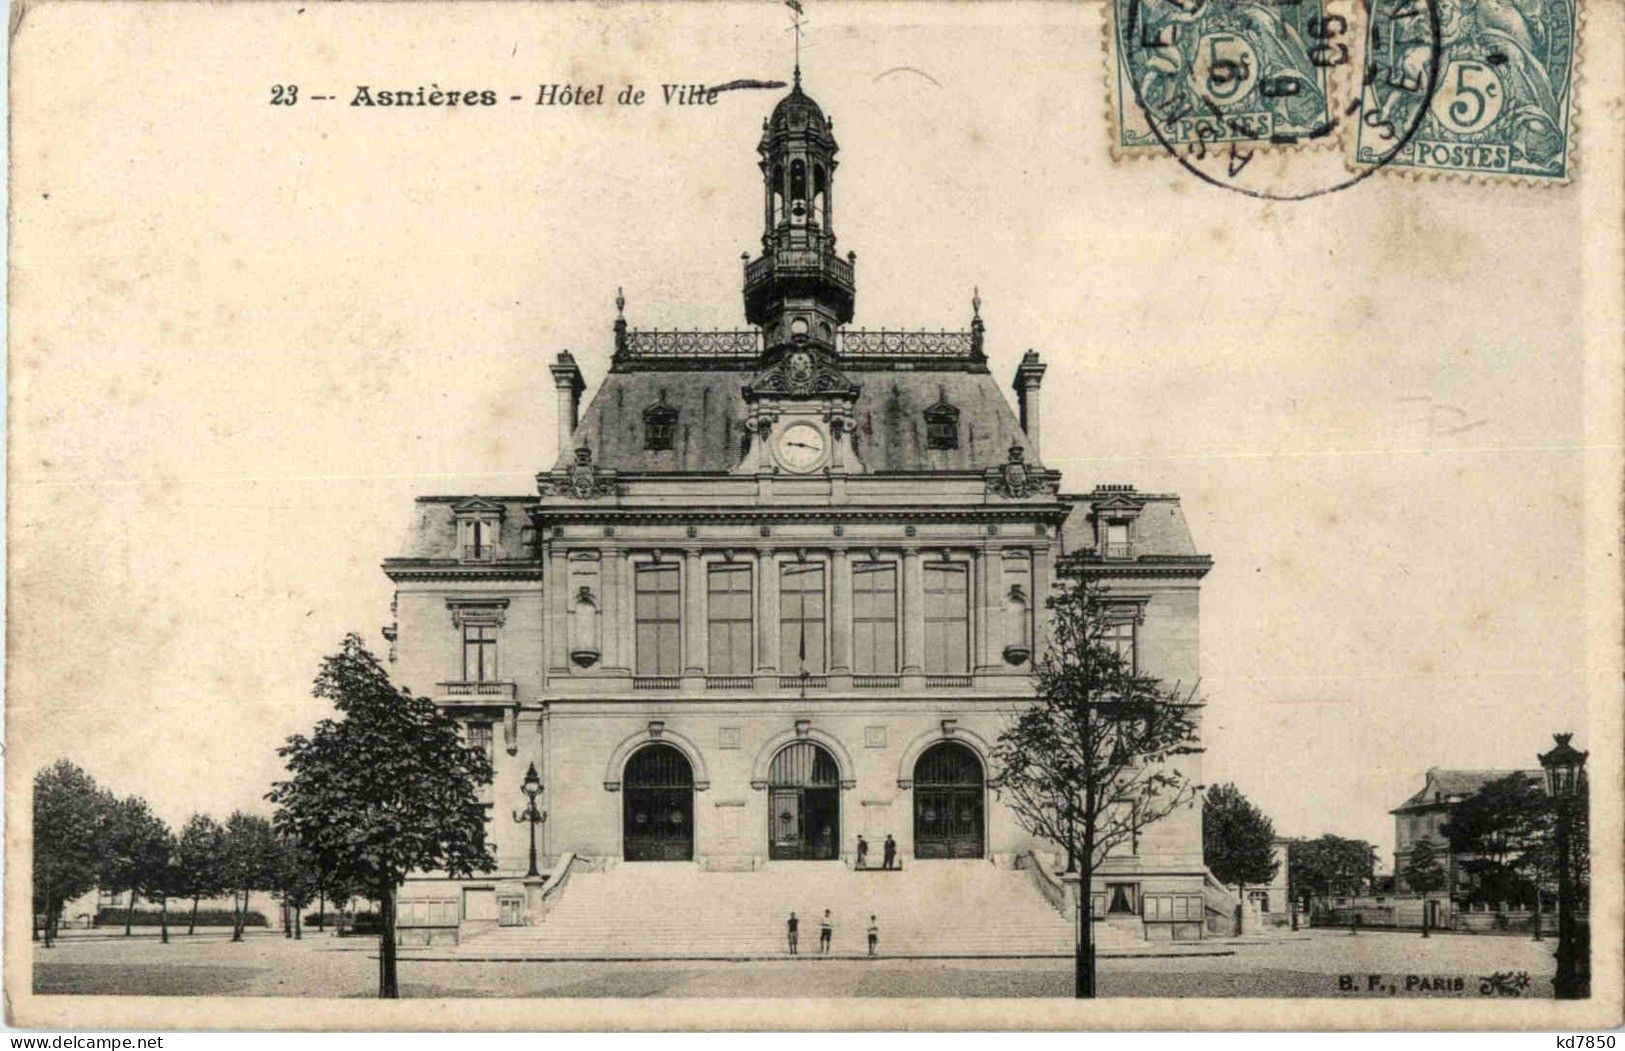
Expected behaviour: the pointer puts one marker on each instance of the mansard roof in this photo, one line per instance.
(889, 416)
(1442, 787)
(432, 532)
(1159, 529)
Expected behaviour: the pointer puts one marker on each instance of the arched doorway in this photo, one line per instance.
(658, 818)
(948, 802)
(804, 804)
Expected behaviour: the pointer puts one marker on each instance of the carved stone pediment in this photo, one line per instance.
(1016, 479)
(801, 373)
(478, 506)
(582, 480)
(1118, 505)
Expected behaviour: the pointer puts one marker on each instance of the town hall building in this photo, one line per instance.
(782, 587)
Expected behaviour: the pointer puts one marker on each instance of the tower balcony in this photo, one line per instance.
(788, 271)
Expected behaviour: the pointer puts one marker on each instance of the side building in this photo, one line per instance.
(1424, 814)
(782, 587)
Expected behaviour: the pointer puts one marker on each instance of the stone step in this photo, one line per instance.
(676, 909)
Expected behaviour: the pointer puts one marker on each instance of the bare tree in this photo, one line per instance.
(1094, 759)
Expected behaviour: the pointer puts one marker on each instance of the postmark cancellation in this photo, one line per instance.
(1478, 88)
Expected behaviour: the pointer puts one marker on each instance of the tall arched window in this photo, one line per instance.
(659, 811)
(948, 791)
(804, 804)
(798, 181)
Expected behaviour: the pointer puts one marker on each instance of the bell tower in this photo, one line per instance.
(799, 291)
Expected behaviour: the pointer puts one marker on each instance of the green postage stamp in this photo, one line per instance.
(1502, 76)
(1196, 72)
(1477, 87)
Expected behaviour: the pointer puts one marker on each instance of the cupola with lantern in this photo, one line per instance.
(799, 290)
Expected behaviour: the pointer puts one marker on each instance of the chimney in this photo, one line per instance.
(567, 378)
(1029, 377)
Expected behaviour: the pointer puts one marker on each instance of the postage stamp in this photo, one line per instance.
(1221, 71)
(1267, 97)
(1501, 104)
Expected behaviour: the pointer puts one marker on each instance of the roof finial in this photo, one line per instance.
(620, 302)
(976, 302)
(795, 24)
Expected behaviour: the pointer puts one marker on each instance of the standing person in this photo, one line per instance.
(890, 852)
(826, 930)
(863, 851)
(874, 934)
(792, 927)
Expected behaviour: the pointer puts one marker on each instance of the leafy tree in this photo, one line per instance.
(1499, 832)
(1238, 842)
(137, 853)
(385, 789)
(249, 857)
(71, 814)
(1424, 872)
(297, 883)
(1330, 865)
(200, 862)
(1093, 760)
(160, 876)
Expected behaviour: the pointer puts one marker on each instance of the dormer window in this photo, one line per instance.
(481, 542)
(1117, 540)
(942, 425)
(479, 529)
(659, 425)
(1115, 507)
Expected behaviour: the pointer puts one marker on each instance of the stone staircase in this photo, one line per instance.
(677, 910)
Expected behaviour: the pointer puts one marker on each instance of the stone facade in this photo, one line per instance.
(781, 587)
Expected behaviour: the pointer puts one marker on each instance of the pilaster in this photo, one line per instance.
(984, 624)
(913, 614)
(693, 616)
(616, 637)
(767, 613)
(840, 601)
(1038, 608)
(558, 612)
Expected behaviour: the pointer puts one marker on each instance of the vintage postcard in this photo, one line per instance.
(813, 514)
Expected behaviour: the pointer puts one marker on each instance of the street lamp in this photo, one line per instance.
(1565, 782)
(532, 788)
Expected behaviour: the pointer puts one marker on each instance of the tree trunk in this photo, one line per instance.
(321, 911)
(163, 920)
(129, 913)
(388, 986)
(192, 927)
(287, 921)
(45, 923)
(239, 909)
(298, 924)
(1083, 985)
(1241, 906)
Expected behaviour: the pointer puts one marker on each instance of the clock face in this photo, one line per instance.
(801, 447)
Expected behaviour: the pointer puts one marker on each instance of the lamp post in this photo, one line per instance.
(532, 788)
(1291, 891)
(1565, 782)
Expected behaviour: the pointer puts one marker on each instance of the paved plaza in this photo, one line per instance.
(1314, 964)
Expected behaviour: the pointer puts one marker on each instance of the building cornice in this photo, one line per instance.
(1048, 512)
(1095, 568)
(418, 569)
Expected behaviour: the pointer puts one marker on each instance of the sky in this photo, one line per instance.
(246, 336)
